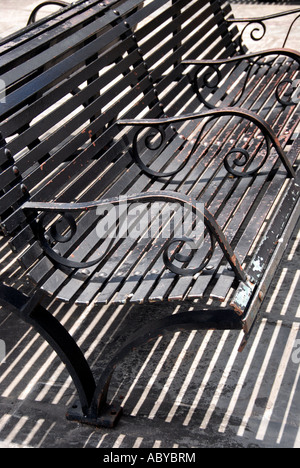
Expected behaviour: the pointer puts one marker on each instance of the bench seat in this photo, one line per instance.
(140, 275)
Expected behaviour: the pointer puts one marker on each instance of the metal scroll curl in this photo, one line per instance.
(62, 230)
(244, 160)
(153, 138)
(259, 28)
(257, 32)
(210, 80)
(212, 77)
(211, 225)
(287, 98)
(177, 244)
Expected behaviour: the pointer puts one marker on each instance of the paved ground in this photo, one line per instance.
(196, 391)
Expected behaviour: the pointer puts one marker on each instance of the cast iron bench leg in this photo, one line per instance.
(95, 410)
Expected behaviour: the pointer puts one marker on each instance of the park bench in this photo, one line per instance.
(145, 159)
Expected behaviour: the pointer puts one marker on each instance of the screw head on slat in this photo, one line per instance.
(85, 272)
(102, 274)
(7, 153)
(23, 188)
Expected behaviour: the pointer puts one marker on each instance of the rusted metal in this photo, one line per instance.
(248, 115)
(151, 197)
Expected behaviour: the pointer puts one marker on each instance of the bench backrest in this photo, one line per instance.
(70, 77)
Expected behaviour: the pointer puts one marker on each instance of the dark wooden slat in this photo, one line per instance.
(13, 44)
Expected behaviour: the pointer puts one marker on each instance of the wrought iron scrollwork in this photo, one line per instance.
(267, 133)
(257, 32)
(259, 28)
(211, 75)
(178, 243)
(244, 160)
(54, 236)
(33, 17)
(213, 229)
(210, 80)
(153, 138)
(286, 99)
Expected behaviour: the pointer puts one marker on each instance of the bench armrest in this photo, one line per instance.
(259, 28)
(32, 19)
(197, 209)
(264, 18)
(158, 126)
(254, 59)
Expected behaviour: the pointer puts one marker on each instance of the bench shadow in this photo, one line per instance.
(187, 389)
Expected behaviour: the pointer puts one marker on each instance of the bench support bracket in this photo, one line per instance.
(95, 410)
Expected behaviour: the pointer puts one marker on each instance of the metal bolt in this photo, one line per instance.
(85, 272)
(7, 153)
(23, 188)
(16, 170)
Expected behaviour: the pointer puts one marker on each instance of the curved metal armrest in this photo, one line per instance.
(264, 18)
(294, 54)
(253, 59)
(32, 18)
(257, 34)
(253, 118)
(215, 232)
